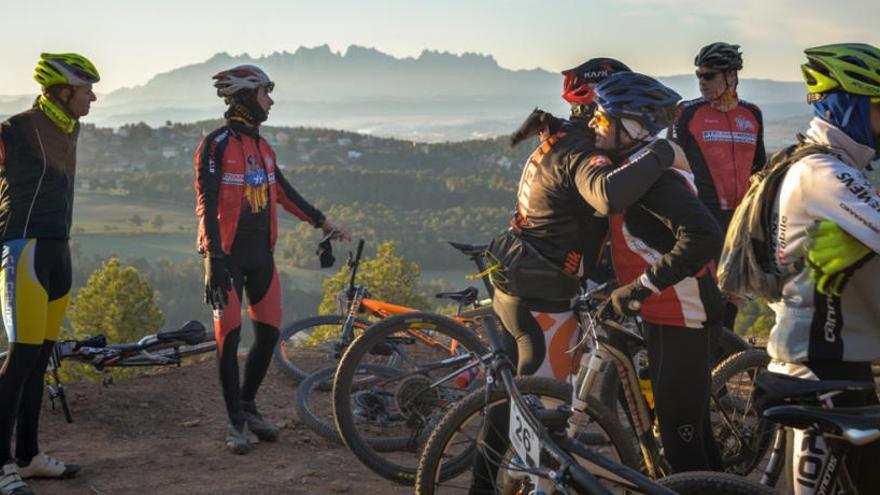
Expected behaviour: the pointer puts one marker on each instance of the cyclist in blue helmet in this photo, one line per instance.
(662, 249)
(566, 191)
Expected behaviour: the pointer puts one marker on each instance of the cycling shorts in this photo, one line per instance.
(36, 278)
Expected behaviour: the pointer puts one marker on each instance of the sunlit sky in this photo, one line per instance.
(130, 41)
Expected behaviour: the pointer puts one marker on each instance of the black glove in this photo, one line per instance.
(218, 282)
(325, 252)
(627, 300)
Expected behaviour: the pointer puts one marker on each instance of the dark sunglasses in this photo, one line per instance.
(708, 75)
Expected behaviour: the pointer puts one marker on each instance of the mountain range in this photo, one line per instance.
(435, 96)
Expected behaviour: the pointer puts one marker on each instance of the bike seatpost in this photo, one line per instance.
(481, 267)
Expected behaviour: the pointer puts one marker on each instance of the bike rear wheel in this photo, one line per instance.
(743, 436)
(445, 466)
(403, 410)
(314, 404)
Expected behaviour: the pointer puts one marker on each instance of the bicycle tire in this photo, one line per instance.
(433, 470)
(306, 403)
(712, 483)
(295, 365)
(370, 452)
(732, 394)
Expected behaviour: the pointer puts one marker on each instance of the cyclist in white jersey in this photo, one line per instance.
(827, 318)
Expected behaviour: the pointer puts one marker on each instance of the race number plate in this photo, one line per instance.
(525, 440)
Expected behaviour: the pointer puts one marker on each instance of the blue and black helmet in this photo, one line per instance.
(630, 95)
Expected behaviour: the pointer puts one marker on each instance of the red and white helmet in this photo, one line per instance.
(230, 81)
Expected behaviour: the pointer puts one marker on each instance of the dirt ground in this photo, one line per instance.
(163, 433)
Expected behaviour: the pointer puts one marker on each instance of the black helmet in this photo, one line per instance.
(639, 97)
(720, 55)
(576, 87)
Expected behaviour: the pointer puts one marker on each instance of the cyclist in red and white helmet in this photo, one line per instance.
(238, 188)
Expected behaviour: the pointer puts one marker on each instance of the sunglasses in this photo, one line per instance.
(708, 75)
(601, 119)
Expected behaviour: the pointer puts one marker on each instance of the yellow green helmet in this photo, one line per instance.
(65, 68)
(852, 67)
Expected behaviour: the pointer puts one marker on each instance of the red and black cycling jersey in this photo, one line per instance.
(670, 236)
(37, 169)
(237, 187)
(723, 148)
(566, 183)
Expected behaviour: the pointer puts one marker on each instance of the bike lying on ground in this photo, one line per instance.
(161, 349)
(314, 408)
(299, 354)
(540, 455)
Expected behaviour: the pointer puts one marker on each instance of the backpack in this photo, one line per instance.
(747, 267)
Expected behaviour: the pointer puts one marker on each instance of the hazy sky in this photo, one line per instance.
(132, 40)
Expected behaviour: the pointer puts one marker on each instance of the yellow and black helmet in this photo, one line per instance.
(65, 68)
(852, 67)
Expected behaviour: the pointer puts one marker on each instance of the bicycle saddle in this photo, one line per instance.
(469, 249)
(859, 425)
(192, 332)
(775, 389)
(464, 297)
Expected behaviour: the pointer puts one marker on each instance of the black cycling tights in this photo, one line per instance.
(258, 360)
(680, 372)
(253, 271)
(21, 390)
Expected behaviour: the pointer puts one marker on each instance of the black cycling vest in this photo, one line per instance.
(551, 214)
(36, 177)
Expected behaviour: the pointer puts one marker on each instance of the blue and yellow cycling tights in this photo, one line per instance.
(36, 278)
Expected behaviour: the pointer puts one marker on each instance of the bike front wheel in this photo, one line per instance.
(711, 483)
(385, 422)
(305, 346)
(453, 448)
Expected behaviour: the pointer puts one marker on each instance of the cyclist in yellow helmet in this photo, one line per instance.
(37, 167)
(826, 322)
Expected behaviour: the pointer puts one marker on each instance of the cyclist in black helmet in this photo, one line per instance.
(722, 136)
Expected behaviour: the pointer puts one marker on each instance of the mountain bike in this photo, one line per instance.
(618, 347)
(541, 455)
(365, 406)
(299, 354)
(802, 404)
(160, 349)
(315, 408)
(385, 419)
